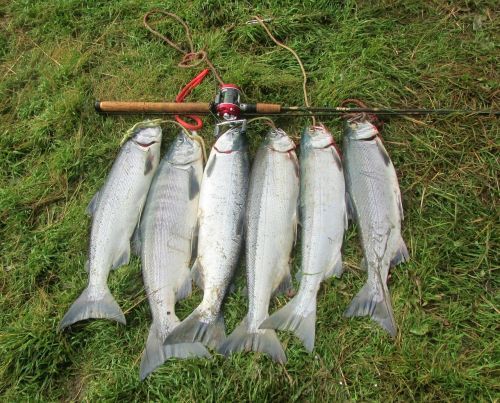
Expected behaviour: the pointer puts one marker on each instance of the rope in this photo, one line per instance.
(190, 58)
(196, 137)
(304, 74)
(269, 121)
(140, 125)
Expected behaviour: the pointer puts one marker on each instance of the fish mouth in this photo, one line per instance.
(330, 144)
(223, 151)
(145, 145)
(293, 147)
(281, 150)
(369, 138)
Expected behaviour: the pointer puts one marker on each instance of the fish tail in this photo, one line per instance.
(287, 318)
(264, 341)
(155, 353)
(86, 308)
(193, 329)
(369, 302)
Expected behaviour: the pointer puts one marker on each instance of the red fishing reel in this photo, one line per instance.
(228, 106)
(227, 102)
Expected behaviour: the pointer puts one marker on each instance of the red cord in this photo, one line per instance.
(185, 92)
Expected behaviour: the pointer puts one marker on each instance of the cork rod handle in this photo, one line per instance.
(267, 109)
(152, 107)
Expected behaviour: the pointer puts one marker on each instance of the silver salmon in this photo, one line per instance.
(165, 236)
(115, 211)
(375, 201)
(323, 221)
(221, 215)
(271, 224)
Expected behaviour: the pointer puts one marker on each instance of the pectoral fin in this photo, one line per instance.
(194, 185)
(91, 208)
(194, 242)
(148, 166)
(210, 164)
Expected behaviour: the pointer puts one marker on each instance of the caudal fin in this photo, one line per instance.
(86, 307)
(155, 353)
(193, 329)
(287, 318)
(369, 302)
(264, 341)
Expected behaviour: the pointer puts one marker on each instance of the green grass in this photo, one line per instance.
(57, 56)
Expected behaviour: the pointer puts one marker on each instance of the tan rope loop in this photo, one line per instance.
(304, 74)
(191, 58)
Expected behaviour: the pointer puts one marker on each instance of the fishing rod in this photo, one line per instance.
(228, 106)
(264, 109)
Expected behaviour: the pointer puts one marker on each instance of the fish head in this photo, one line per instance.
(231, 140)
(316, 137)
(278, 140)
(146, 137)
(184, 150)
(360, 130)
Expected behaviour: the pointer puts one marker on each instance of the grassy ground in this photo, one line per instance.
(57, 56)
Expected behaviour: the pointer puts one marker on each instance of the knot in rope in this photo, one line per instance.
(190, 58)
(193, 59)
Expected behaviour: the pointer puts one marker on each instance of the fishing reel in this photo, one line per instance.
(227, 103)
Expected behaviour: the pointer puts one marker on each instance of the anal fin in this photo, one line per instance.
(401, 255)
(197, 273)
(285, 285)
(336, 269)
(349, 207)
(136, 242)
(185, 288)
(123, 258)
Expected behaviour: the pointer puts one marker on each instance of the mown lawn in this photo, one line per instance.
(57, 56)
